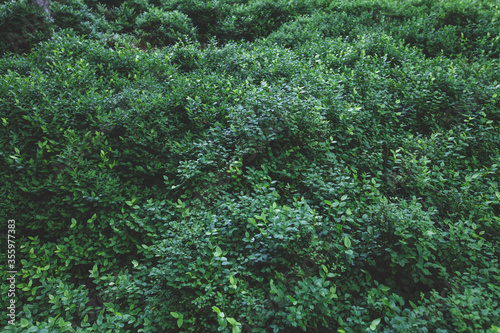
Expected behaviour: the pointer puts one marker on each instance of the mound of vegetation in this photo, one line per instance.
(251, 165)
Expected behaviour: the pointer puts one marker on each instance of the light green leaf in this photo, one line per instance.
(347, 242)
(92, 219)
(218, 252)
(252, 222)
(373, 325)
(273, 287)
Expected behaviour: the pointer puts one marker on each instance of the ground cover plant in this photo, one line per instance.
(251, 166)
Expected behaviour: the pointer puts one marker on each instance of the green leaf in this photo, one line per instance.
(373, 325)
(24, 322)
(252, 222)
(385, 288)
(387, 303)
(179, 322)
(175, 314)
(92, 219)
(232, 321)
(273, 287)
(218, 252)
(73, 223)
(131, 202)
(347, 242)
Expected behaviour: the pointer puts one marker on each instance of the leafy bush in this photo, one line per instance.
(316, 26)
(336, 171)
(257, 19)
(204, 14)
(23, 25)
(236, 276)
(162, 28)
(74, 14)
(123, 17)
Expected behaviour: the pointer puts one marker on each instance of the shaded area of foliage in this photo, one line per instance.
(252, 166)
(22, 25)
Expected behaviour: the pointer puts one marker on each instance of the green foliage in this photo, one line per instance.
(317, 26)
(335, 170)
(257, 19)
(74, 14)
(204, 14)
(162, 28)
(23, 25)
(123, 17)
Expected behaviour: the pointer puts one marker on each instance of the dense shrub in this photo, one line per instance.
(316, 26)
(123, 17)
(336, 171)
(22, 25)
(162, 28)
(76, 15)
(204, 14)
(254, 20)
